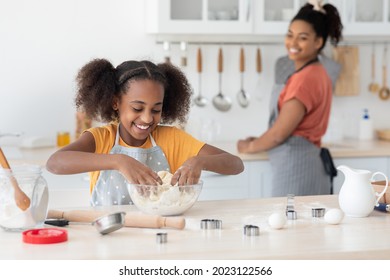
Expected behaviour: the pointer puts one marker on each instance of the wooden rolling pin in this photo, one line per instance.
(21, 199)
(131, 219)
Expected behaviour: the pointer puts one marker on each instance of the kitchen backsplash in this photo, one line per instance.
(40, 62)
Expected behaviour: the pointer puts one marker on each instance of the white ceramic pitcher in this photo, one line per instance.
(357, 197)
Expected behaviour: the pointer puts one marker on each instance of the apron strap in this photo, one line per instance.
(117, 136)
(152, 140)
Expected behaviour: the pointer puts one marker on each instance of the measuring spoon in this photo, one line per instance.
(104, 224)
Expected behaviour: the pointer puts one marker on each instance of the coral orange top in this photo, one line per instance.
(313, 87)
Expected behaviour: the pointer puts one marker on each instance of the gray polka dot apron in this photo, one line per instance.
(296, 164)
(111, 186)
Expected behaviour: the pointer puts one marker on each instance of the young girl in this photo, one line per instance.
(301, 113)
(136, 98)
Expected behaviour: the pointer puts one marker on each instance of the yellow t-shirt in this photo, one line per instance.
(177, 145)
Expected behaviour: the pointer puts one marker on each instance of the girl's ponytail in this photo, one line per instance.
(96, 87)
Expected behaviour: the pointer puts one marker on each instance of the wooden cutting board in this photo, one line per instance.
(348, 82)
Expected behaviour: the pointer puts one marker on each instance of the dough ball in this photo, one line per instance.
(165, 176)
(277, 220)
(334, 216)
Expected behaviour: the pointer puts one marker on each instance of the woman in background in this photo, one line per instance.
(300, 117)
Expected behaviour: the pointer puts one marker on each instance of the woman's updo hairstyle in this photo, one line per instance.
(326, 22)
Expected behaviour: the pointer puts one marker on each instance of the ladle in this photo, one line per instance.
(242, 96)
(21, 199)
(200, 100)
(384, 92)
(373, 86)
(221, 102)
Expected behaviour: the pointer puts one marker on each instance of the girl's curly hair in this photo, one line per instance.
(98, 82)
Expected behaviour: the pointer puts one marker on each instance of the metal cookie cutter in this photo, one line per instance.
(291, 215)
(251, 230)
(162, 237)
(290, 212)
(317, 212)
(210, 224)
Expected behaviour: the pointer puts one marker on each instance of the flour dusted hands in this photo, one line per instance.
(136, 172)
(164, 199)
(188, 174)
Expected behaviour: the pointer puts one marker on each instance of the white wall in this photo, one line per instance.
(43, 43)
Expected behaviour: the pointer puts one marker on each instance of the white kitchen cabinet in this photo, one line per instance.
(372, 164)
(258, 17)
(219, 187)
(362, 17)
(359, 17)
(260, 178)
(272, 17)
(256, 180)
(253, 182)
(199, 16)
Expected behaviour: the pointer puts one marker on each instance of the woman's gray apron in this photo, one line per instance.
(111, 186)
(296, 164)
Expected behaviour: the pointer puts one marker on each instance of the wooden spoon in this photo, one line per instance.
(373, 86)
(384, 92)
(258, 90)
(21, 199)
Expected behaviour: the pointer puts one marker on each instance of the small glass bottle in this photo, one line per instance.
(366, 131)
(63, 138)
(32, 183)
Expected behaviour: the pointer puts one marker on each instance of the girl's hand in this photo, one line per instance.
(136, 172)
(189, 173)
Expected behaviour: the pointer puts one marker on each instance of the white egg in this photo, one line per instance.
(334, 216)
(277, 220)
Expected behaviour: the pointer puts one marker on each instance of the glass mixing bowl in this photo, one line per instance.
(164, 200)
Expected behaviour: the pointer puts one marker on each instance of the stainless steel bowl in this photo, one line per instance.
(110, 222)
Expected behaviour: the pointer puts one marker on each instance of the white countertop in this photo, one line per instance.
(344, 149)
(304, 238)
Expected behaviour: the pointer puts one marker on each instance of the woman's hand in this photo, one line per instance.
(136, 172)
(189, 173)
(243, 145)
